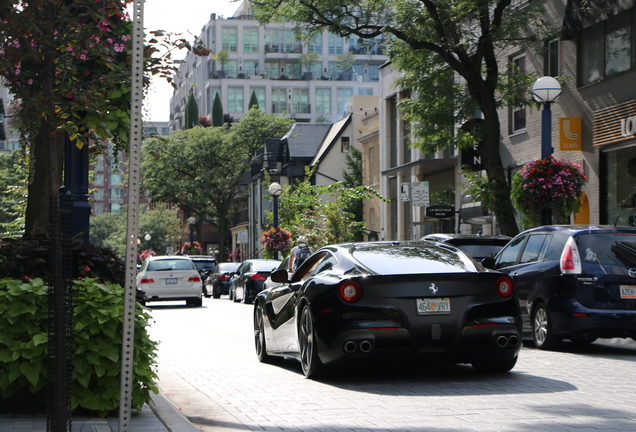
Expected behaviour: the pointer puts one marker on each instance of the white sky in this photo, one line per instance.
(177, 16)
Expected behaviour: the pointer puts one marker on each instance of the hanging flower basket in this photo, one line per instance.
(193, 248)
(547, 184)
(276, 240)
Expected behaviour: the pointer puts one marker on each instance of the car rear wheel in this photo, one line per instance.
(542, 329)
(500, 366)
(259, 336)
(311, 364)
(216, 293)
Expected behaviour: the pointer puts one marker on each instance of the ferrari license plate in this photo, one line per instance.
(628, 291)
(433, 306)
(171, 281)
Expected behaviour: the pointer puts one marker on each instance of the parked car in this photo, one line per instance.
(249, 278)
(268, 282)
(218, 282)
(169, 278)
(366, 302)
(205, 265)
(573, 282)
(477, 246)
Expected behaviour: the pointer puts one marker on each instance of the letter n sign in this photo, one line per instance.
(472, 159)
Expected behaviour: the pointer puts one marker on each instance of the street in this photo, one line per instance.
(208, 370)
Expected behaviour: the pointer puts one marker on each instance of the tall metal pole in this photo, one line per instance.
(546, 151)
(134, 178)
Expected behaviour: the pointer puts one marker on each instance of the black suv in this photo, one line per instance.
(204, 264)
(573, 282)
(477, 246)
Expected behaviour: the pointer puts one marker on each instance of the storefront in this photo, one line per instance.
(615, 134)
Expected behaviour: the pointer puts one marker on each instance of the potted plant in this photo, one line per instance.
(308, 60)
(222, 57)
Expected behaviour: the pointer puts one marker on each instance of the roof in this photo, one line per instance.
(333, 135)
(304, 139)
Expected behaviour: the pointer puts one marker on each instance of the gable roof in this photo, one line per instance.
(304, 139)
(331, 138)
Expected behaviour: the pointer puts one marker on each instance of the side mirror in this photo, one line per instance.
(280, 276)
(488, 263)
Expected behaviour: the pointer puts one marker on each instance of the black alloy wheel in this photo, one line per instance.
(259, 336)
(542, 334)
(311, 364)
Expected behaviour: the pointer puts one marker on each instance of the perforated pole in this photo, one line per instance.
(134, 178)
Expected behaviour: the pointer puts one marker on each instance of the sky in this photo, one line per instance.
(182, 16)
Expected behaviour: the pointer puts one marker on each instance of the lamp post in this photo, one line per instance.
(546, 90)
(275, 190)
(191, 221)
(147, 237)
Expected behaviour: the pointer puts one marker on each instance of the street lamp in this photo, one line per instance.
(191, 221)
(147, 237)
(275, 190)
(546, 90)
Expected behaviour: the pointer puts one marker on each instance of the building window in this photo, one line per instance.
(211, 38)
(344, 96)
(98, 208)
(393, 131)
(271, 69)
(365, 91)
(98, 180)
(231, 69)
(300, 99)
(98, 195)
(235, 99)
(250, 67)
(279, 100)
(518, 115)
(115, 208)
(553, 58)
(229, 39)
(115, 194)
(372, 166)
(210, 94)
(165, 130)
(260, 96)
(315, 45)
(333, 70)
(99, 165)
(250, 40)
(323, 101)
(374, 73)
(115, 179)
(606, 48)
(336, 44)
(344, 145)
(618, 193)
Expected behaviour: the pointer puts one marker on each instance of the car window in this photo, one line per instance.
(608, 249)
(308, 268)
(508, 255)
(555, 246)
(480, 250)
(533, 248)
(413, 259)
(326, 264)
(167, 265)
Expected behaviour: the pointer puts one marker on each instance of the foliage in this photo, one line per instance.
(191, 112)
(97, 321)
(222, 57)
(13, 191)
(276, 239)
(352, 178)
(200, 169)
(217, 111)
(448, 54)
(162, 223)
(193, 248)
(253, 101)
(547, 184)
(237, 255)
(318, 212)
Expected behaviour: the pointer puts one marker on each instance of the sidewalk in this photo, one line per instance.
(162, 417)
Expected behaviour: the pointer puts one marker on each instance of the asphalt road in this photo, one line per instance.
(209, 371)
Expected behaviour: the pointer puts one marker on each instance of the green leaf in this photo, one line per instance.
(31, 371)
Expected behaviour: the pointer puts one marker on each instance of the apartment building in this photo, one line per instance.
(308, 81)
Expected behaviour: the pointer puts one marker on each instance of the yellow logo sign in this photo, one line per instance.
(570, 134)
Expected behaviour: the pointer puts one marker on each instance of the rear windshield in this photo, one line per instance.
(204, 265)
(265, 266)
(413, 260)
(228, 267)
(170, 264)
(482, 251)
(614, 249)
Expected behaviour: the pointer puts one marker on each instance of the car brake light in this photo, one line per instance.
(194, 279)
(258, 277)
(570, 258)
(350, 291)
(224, 277)
(147, 280)
(504, 286)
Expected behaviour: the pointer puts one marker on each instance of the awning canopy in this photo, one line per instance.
(581, 14)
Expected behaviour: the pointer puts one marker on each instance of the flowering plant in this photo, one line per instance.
(193, 248)
(276, 239)
(146, 254)
(547, 184)
(238, 255)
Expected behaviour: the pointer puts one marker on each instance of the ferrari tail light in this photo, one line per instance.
(147, 280)
(570, 258)
(350, 291)
(194, 279)
(504, 286)
(224, 277)
(257, 277)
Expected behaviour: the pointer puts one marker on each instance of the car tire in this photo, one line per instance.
(307, 342)
(234, 298)
(542, 334)
(501, 366)
(259, 336)
(230, 294)
(197, 302)
(582, 339)
(216, 293)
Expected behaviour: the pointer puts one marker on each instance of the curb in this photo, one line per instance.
(170, 416)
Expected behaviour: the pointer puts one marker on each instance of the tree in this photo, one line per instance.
(432, 42)
(191, 112)
(253, 101)
(353, 178)
(13, 191)
(217, 111)
(199, 169)
(69, 65)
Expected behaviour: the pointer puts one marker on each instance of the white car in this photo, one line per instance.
(170, 278)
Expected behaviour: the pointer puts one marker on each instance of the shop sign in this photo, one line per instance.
(570, 134)
(440, 211)
(628, 126)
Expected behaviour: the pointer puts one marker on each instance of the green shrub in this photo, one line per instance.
(97, 322)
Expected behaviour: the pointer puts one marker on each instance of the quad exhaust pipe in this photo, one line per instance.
(504, 341)
(362, 347)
